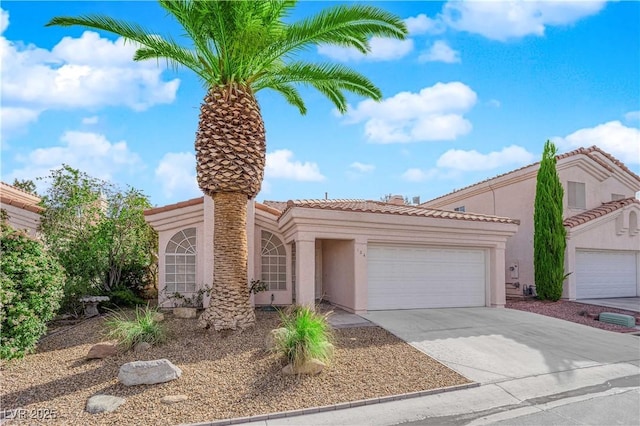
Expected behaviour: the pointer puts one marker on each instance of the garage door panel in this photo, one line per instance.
(408, 277)
(602, 274)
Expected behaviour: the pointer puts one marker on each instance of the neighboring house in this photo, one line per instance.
(359, 255)
(22, 208)
(601, 217)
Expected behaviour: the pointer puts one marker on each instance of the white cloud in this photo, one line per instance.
(14, 119)
(440, 51)
(92, 153)
(362, 167)
(280, 165)
(632, 116)
(613, 137)
(90, 120)
(85, 72)
(494, 103)
(382, 49)
(434, 113)
(176, 173)
(422, 24)
(418, 175)
(502, 20)
(472, 160)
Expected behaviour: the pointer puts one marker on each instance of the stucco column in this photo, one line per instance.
(498, 293)
(305, 272)
(569, 286)
(360, 277)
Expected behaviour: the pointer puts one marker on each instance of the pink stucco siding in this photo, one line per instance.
(513, 195)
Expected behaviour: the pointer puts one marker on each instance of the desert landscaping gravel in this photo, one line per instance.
(222, 376)
(574, 312)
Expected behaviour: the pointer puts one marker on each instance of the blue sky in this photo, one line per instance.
(474, 91)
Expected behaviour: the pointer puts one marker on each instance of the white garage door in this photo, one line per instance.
(601, 274)
(413, 277)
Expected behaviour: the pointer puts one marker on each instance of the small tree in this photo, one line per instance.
(549, 236)
(98, 233)
(27, 185)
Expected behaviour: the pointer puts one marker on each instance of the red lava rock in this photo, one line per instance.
(580, 313)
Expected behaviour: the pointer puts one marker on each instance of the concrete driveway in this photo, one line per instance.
(626, 303)
(490, 345)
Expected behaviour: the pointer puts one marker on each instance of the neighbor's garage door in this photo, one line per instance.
(601, 274)
(413, 277)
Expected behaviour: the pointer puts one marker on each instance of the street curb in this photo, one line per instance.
(334, 407)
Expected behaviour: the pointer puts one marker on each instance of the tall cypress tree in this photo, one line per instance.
(549, 235)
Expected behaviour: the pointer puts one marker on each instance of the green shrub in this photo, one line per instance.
(124, 297)
(31, 287)
(144, 327)
(308, 336)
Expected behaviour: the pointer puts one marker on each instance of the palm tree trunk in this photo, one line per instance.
(229, 307)
(230, 157)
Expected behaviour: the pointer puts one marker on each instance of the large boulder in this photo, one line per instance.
(103, 403)
(311, 367)
(148, 372)
(275, 335)
(102, 350)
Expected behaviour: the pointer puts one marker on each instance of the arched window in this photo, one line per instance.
(180, 262)
(274, 262)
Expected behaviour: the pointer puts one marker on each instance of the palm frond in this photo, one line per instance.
(153, 45)
(291, 94)
(327, 78)
(347, 26)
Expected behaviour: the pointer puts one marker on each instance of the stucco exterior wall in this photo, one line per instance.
(306, 225)
(610, 232)
(513, 196)
(267, 222)
(170, 222)
(22, 219)
(596, 191)
(338, 272)
(514, 201)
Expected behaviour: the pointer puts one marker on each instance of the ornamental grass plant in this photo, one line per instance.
(144, 327)
(308, 336)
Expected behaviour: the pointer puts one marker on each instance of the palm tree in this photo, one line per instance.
(237, 49)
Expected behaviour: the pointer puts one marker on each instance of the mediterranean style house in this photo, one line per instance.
(601, 216)
(359, 255)
(21, 207)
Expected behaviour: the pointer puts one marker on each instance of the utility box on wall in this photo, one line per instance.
(513, 270)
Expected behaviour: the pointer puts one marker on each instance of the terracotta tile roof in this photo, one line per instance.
(614, 161)
(20, 204)
(367, 206)
(169, 207)
(268, 209)
(585, 151)
(200, 200)
(278, 205)
(12, 196)
(604, 209)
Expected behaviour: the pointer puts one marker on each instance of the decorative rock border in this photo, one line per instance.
(341, 406)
